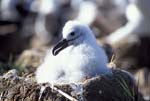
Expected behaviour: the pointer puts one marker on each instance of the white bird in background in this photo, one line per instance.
(74, 58)
(91, 8)
(138, 16)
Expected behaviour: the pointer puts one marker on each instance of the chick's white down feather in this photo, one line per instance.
(82, 58)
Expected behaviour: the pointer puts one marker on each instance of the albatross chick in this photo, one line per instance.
(74, 58)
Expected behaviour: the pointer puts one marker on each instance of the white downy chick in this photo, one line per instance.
(74, 58)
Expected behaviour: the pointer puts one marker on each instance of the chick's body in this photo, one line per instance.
(83, 58)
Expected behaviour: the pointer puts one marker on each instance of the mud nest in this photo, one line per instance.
(118, 87)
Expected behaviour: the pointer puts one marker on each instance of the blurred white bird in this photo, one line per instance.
(138, 16)
(74, 58)
(91, 8)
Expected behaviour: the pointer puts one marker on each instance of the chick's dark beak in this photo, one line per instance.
(59, 46)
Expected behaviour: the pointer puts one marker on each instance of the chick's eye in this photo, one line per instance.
(72, 33)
